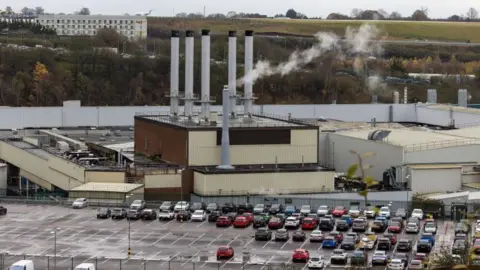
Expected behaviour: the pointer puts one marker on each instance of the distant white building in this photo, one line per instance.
(133, 27)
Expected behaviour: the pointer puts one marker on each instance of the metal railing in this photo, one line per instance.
(439, 144)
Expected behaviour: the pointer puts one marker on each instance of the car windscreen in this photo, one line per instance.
(198, 212)
(103, 210)
(223, 249)
(305, 207)
(358, 222)
(307, 221)
(315, 259)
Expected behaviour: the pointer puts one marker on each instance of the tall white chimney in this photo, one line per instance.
(225, 159)
(248, 85)
(405, 95)
(232, 71)
(205, 98)
(189, 52)
(174, 71)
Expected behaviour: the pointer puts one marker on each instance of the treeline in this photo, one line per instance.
(10, 27)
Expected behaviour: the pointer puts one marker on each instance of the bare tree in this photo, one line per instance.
(356, 12)
(39, 10)
(395, 16)
(231, 14)
(424, 9)
(9, 10)
(472, 14)
(83, 11)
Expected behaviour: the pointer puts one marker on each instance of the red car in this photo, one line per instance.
(338, 236)
(301, 255)
(395, 227)
(225, 252)
(241, 222)
(275, 223)
(223, 221)
(309, 223)
(339, 211)
(392, 237)
(249, 217)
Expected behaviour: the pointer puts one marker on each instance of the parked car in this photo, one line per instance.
(384, 244)
(290, 209)
(418, 213)
(166, 215)
(298, 236)
(459, 247)
(329, 242)
(3, 210)
(226, 252)
(263, 234)
(149, 214)
(276, 209)
(212, 207)
(305, 209)
(415, 264)
(429, 237)
(392, 237)
(82, 266)
(213, 216)
(424, 246)
(342, 225)
(282, 235)
(134, 214)
(241, 222)
(348, 243)
(348, 219)
(104, 213)
(385, 212)
(198, 206)
(359, 225)
(181, 206)
(292, 223)
(259, 208)
(379, 226)
(380, 257)
(401, 213)
(338, 236)
(404, 245)
(354, 236)
(223, 221)
(80, 203)
(228, 208)
(184, 215)
(358, 258)
(354, 211)
(371, 212)
(316, 262)
(309, 223)
(300, 255)
(275, 223)
(395, 227)
(138, 204)
(119, 213)
(369, 240)
(199, 215)
(245, 208)
(166, 205)
(323, 210)
(339, 211)
(430, 226)
(316, 236)
(412, 227)
(339, 256)
(396, 264)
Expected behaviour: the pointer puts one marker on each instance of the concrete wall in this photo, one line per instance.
(454, 154)
(203, 150)
(263, 183)
(74, 116)
(35, 179)
(105, 177)
(339, 155)
(3, 176)
(436, 180)
(163, 180)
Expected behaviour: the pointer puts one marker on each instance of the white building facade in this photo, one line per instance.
(133, 27)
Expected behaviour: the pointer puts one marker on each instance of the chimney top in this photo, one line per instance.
(189, 33)
(248, 33)
(175, 33)
(205, 32)
(232, 33)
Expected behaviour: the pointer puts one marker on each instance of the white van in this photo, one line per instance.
(85, 266)
(22, 265)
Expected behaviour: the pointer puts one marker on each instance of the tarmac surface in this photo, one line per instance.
(29, 232)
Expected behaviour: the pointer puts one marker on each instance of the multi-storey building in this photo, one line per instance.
(133, 27)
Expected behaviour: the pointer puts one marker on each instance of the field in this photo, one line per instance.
(451, 31)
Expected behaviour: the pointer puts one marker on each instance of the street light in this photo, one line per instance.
(181, 183)
(129, 251)
(54, 232)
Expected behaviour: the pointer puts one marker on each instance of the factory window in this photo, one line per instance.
(256, 137)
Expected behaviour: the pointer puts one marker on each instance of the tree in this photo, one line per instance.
(25, 10)
(395, 16)
(337, 16)
(472, 14)
(9, 10)
(361, 168)
(231, 14)
(455, 18)
(355, 13)
(39, 10)
(419, 15)
(291, 13)
(83, 11)
(181, 15)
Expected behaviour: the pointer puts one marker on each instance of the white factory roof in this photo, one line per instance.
(468, 132)
(447, 107)
(107, 187)
(444, 196)
(124, 147)
(474, 196)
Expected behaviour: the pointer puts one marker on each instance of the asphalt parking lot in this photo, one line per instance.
(27, 232)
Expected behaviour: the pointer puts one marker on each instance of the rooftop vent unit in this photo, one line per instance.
(378, 135)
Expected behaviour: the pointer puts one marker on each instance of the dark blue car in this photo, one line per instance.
(329, 242)
(429, 237)
(348, 219)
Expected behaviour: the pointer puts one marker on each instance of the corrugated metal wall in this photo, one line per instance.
(40, 117)
(436, 180)
(453, 154)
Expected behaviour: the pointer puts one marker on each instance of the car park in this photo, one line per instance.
(424, 246)
(348, 243)
(166, 215)
(226, 252)
(80, 203)
(300, 255)
(182, 206)
(354, 211)
(404, 245)
(358, 258)
(379, 226)
(276, 209)
(369, 240)
(415, 264)
(138, 204)
(395, 227)
(134, 214)
(198, 206)
(430, 226)
(119, 213)
(275, 223)
(339, 256)
(403, 257)
(290, 209)
(316, 236)
(309, 223)
(323, 210)
(167, 205)
(241, 222)
(214, 215)
(412, 227)
(223, 221)
(245, 208)
(263, 234)
(380, 257)
(104, 213)
(316, 262)
(305, 210)
(370, 212)
(392, 237)
(429, 237)
(184, 215)
(292, 223)
(339, 211)
(282, 235)
(384, 244)
(228, 208)
(385, 212)
(359, 225)
(299, 236)
(418, 213)
(329, 242)
(259, 208)
(338, 236)
(148, 214)
(212, 207)
(348, 219)
(326, 224)
(199, 215)
(396, 264)
(354, 236)
(401, 213)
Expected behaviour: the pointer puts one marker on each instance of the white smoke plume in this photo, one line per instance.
(357, 42)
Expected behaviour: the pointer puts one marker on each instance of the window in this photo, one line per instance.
(131, 22)
(58, 21)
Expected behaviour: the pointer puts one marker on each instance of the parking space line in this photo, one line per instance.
(231, 259)
(87, 220)
(268, 242)
(88, 237)
(229, 243)
(286, 242)
(196, 239)
(248, 243)
(169, 259)
(213, 241)
(143, 238)
(158, 240)
(179, 238)
(268, 262)
(16, 228)
(58, 233)
(165, 224)
(190, 259)
(153, 256)
(185, 223)
(201, 224)
(71, 236)
(38, 234)
(303, 244)
(24, 233)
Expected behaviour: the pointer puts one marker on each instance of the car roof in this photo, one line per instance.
(300, 249)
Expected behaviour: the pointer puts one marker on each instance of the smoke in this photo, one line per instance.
(357, 41)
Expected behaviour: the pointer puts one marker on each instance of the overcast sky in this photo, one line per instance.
(312, 8)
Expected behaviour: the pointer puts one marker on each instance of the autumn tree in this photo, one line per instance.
(359, 171)
(39, 75)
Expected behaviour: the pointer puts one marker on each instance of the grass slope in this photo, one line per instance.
(452, 31)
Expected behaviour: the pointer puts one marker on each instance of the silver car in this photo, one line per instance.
(323, 210)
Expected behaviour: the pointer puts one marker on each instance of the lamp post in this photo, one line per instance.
(129, 251)
(181, 183)
(54, 232)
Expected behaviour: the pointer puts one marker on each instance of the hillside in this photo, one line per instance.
(451, 31)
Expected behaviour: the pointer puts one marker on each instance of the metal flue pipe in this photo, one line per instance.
(232, 71)
(174, 71)
(225, 158)
(189, 53)
(205, 99)
(248, 84)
